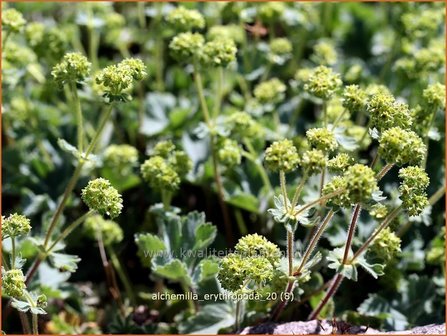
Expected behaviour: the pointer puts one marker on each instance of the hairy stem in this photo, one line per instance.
(122, 275)
(79, 117)
(69, 229)
(331, 291)
(219, 185)
(13, 252)
(313, 242)
(298, 190)
(384, 170)
(219, 92)
(351, 231)
(35, 324)
(282, 179)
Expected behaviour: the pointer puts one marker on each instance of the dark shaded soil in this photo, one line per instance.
(325, 328)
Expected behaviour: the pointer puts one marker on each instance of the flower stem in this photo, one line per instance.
(219, 185)
(384, 170)
(69, 229)
(298, 190)
(13, 252)
(7, 35)
(331, 291)
(351, 231)
(219, 92)
(319, 200)
(237, 322)
(382, 226)
(25, 323)
(122, 275)
(251, 155)
(277, 312)
(314, 242)
(35, 324)
(282, 179)
(79, 118)
(186, 290)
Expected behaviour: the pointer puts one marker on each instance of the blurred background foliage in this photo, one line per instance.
(399, 45)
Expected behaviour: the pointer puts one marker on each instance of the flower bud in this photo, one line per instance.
(270, 92)
(255, 245)
(322, 139)
(13, 283)
(12, 20)
(271, 11)
(324, 53)
(219, 52)
(339, 163)
(414, 178)
(73, 68)
(337, 184)
(386, 246)
(110, 231)
(280, 46)
(385, 112)
(159, 174)
(354, 98)
(434, 96)
(42, 301)
(361, 183)
(412, 189)
(100, 196)
(121, 157)
(401, 147)
(232, 31)
(183, 19)
(378, 211)
(229, 153)
(281, 156)
(117, 79)
(164, 149)
(186, 46)
(313, 161)
(15, 225)
(242, 125)
(322, 82)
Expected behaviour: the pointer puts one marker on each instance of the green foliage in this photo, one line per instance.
(280, 119)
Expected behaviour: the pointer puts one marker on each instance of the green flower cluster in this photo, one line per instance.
(100, 196)
(165, 169)
(281, 156)
(423, 61)
(270, 92)
(313, 161)
(280, 46)
(12, 20)
(73, 68)
(253, 262)
(117, 79)
(186, 47)
(322, 139)
(401, 147)
(412, 189)
(434, 96)
(255, 245)
(386, 246)
(109, 231)
(354, 98)
(357, 185)
(15, 225)
(423, 23)
(271, 11)
(385, 112)
(340, 162)
(242, 125)
(232, 31)
(13, 283)
(121, 157)
(322, 82)
(378, 211)
(219, 52)
(183, 19)
(114, 21)
(324, 53)
(229, 153)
